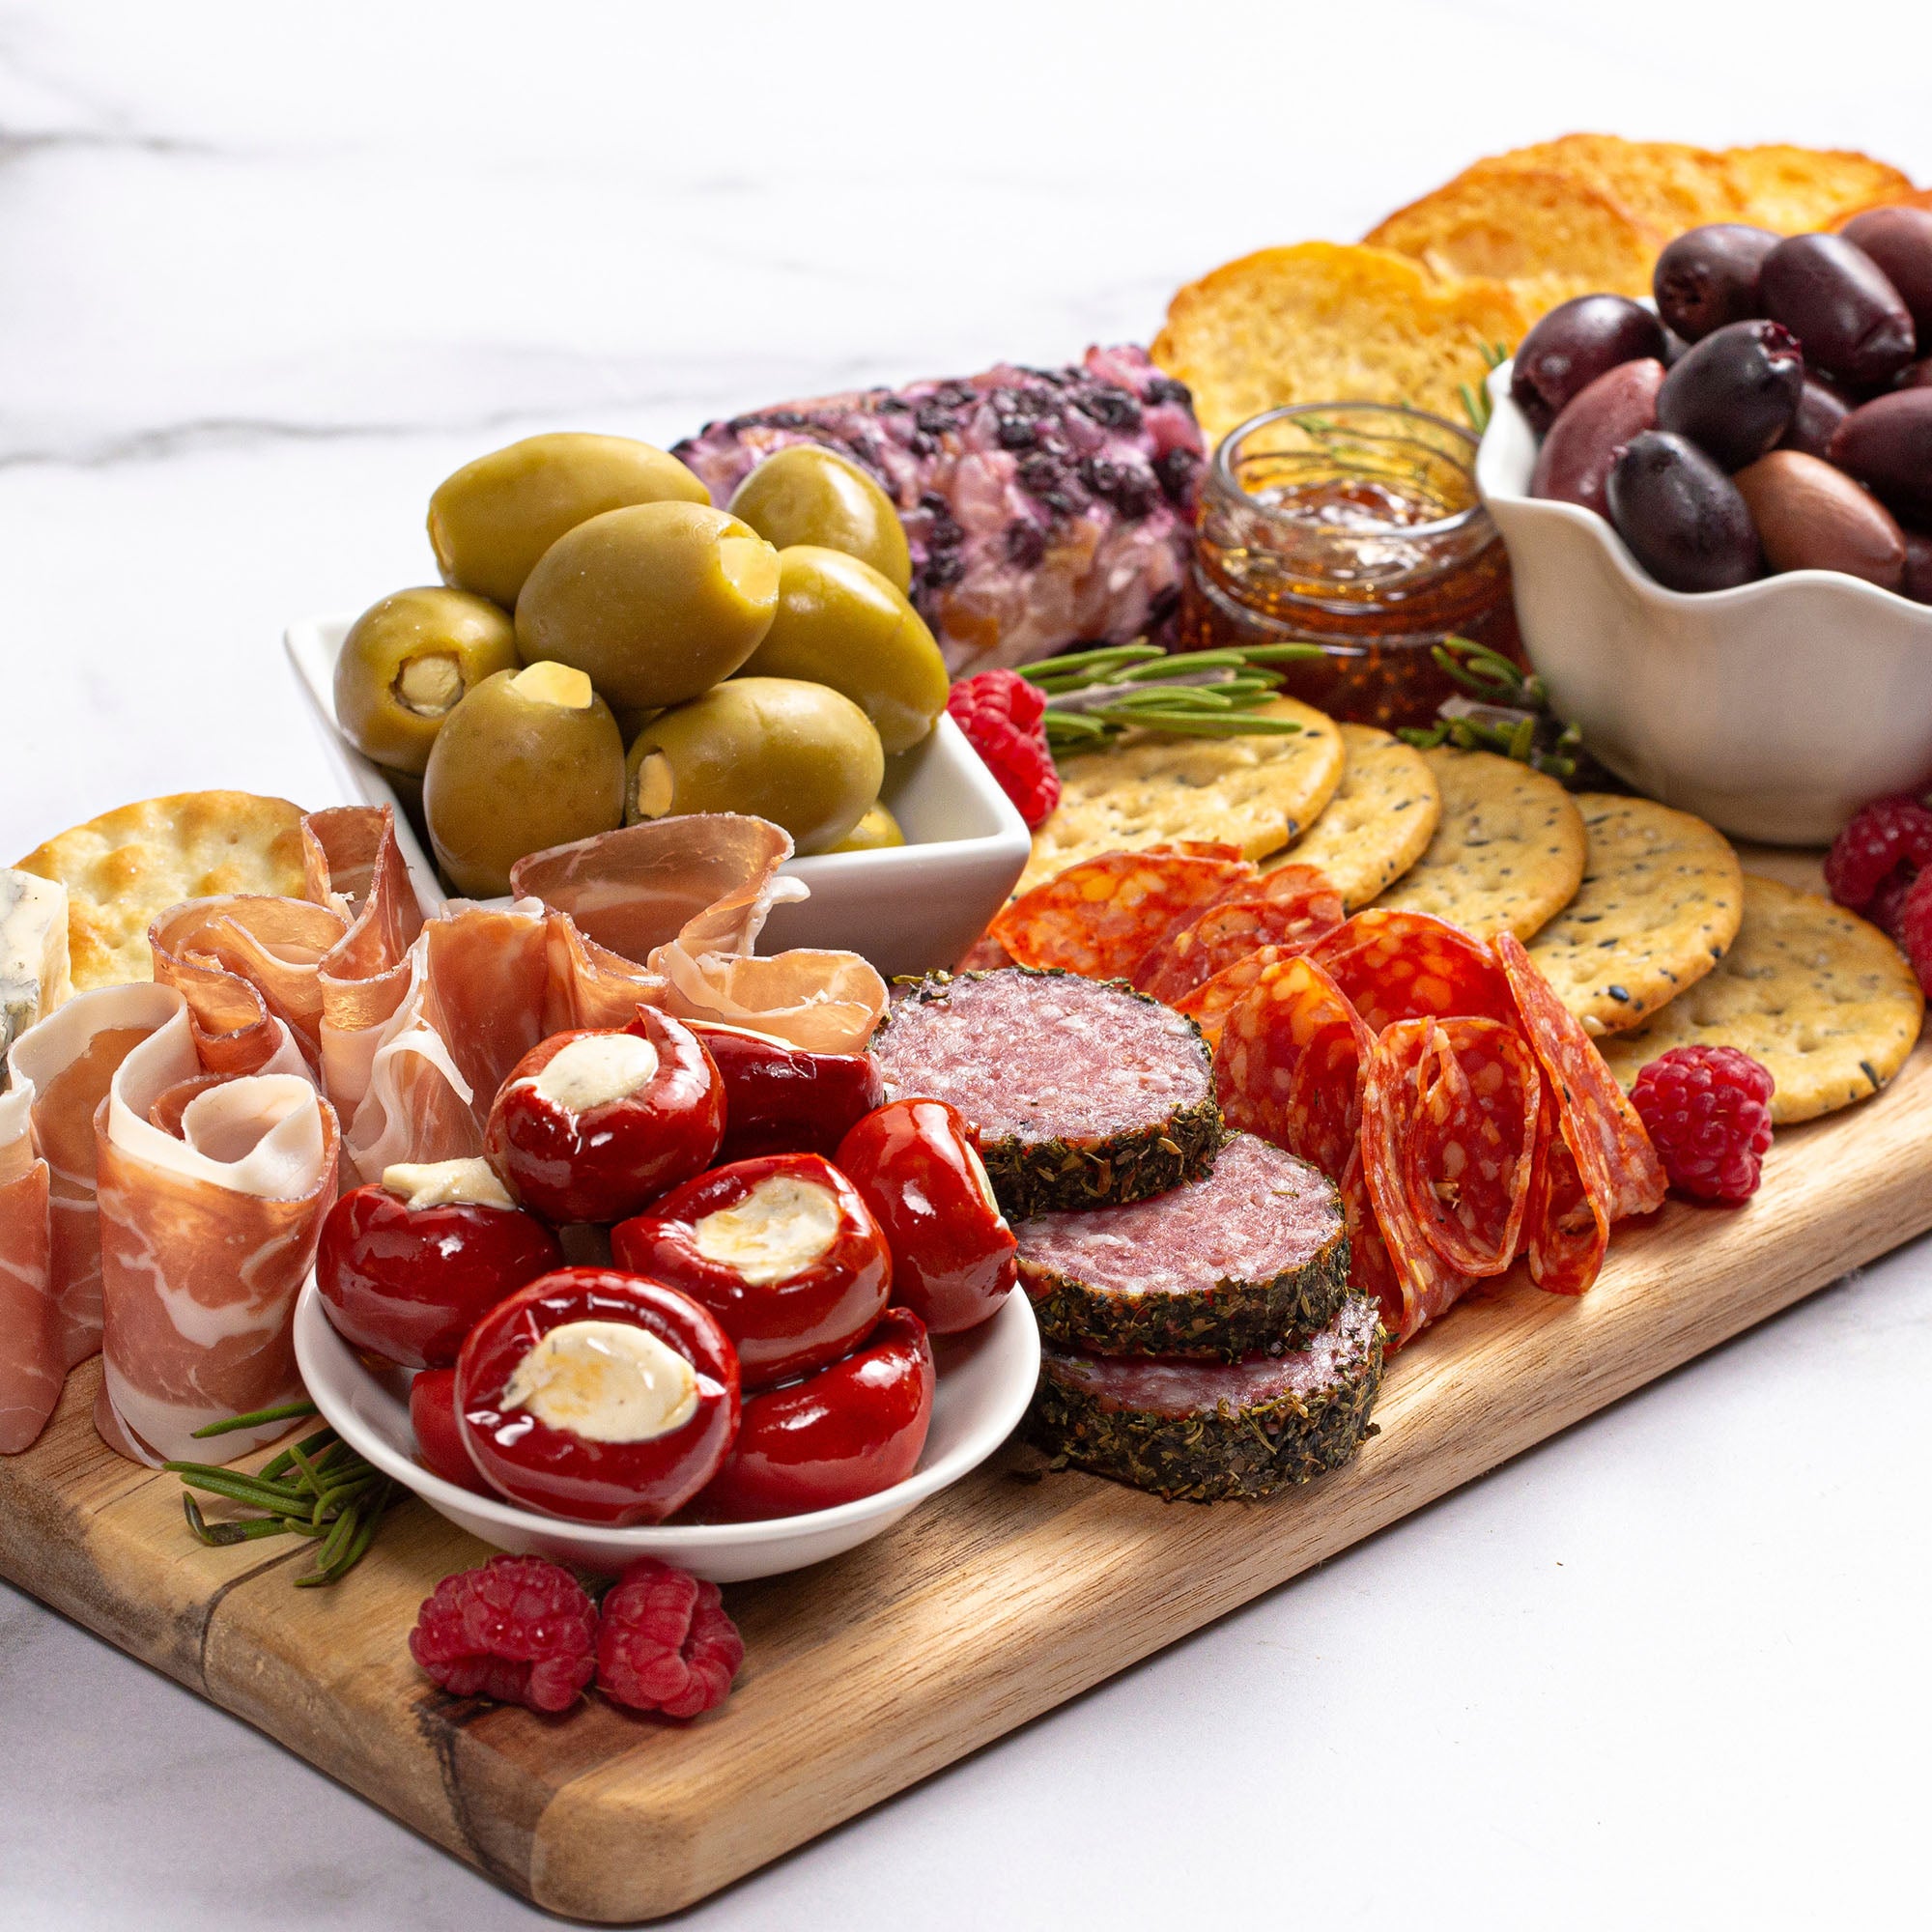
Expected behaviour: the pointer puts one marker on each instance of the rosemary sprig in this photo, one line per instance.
(319, 1487)
(1476, 404)
(1508, 712)
(1094, 695)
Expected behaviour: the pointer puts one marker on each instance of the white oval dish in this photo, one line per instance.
(908, 908)
(1774, 710)
(986, 1379)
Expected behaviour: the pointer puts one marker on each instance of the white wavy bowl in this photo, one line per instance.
(1774, 710)
(986, 1378)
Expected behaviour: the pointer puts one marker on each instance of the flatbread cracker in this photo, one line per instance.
(1255, 793)
(127, 865)
(1507, 853)
(1657, 909)
(1378, 823)
(1827, 1001)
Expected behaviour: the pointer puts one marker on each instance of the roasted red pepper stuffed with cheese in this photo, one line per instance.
(782, 1250)
(847, 1432)
(439, 1444)
(597, 1395)
(953, 1256)
(779, 1098)
(407, 1265)
(590, 1126)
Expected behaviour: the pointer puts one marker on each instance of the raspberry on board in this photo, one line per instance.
(664, 1642)
(1891, 839)
(519, 1629)
(1914, 928)
(1004, 719)
(1707, 1111)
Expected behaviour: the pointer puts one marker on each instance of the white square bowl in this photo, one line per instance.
(912, 908)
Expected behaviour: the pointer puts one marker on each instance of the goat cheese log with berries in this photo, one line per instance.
(1042, 507)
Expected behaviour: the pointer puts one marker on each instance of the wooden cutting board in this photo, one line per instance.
(998, 1600)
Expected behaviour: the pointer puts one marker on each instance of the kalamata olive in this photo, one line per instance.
(1916, 581)
(1899, 239)
(1837, 301)
(1812, 517)
(1586, 438)
(1734, 393)
(1821, 408)
(1681, 516)
(1915, 375)
(1887, 444)
(1708, 278)
(1572, 345)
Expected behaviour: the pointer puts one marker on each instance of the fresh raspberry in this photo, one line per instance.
(1888, 839)
(1004, 719)
(1889, 903)
(664, 1642)
(520, 1630)
(1707, 1111)
(1914, 928)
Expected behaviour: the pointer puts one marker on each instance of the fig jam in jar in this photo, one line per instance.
(1355, 527)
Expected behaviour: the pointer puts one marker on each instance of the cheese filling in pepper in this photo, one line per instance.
(776, 1231)
(606, 1381)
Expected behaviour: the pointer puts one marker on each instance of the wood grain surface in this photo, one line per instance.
(998, 1600)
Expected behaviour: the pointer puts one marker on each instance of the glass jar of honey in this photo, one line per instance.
(1355, 527)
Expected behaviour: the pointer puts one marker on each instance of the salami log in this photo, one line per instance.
(1407, 965)
(1207, 1430)
(1250, 1259)
(1081, 1093)
(1468, 1153)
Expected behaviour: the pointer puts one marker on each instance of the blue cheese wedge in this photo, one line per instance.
(33, 952)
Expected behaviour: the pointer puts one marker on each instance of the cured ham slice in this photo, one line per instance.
(33, 1362)
(206, 1236)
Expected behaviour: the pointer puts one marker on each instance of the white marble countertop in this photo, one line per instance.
(270, 276)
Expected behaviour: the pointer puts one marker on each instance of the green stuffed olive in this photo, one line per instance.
(877, 831)
(406, 663)
(494, 518)
(528, 759)
(801, 754)
(840, 622)
(654, 604)
(808, 494)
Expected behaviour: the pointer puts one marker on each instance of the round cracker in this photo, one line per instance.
(128, 866)
(1378, 823)
(1659, 907)
(1253, 793)
(1827, 1001)
(1508, 852)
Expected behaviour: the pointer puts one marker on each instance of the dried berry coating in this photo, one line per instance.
(1004, 719)
(1252, 1259)
(1708, 1110)
(1081, 1093)
(520, 1630)
(1202, 1432)
(665, 1643)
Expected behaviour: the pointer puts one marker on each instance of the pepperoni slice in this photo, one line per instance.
(1405, 965)
(1289, 919)
(1468, 1155)
(1210, 1003)
(1568, 1224)
(1370, 1272)
(1612, 1153)
(1426, 1284)
(1102, 917)
(987, 956)
(1289, 1063)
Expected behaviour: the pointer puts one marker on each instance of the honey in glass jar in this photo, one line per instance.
(1355, 527)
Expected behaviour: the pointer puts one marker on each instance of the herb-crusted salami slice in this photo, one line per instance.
(1103, 915)
(1469, 1154)
(1081, 1093)
(1248, 1260)
(1203, 1432)
(1405, 965)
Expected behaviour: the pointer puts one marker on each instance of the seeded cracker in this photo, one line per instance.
(1657, 909)
(1377, 824)
(1256, 793)
(1825, 1001)
(1508, 854)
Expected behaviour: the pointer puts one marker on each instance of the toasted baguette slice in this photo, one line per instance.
(1798, 189)
(1666, 185)
(1321, 323)
(1550, 233)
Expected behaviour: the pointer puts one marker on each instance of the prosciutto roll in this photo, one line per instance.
(32, 1359)
(206, 1234)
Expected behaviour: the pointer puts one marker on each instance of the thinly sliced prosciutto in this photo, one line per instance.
(206, 1236)
(33, 1362)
